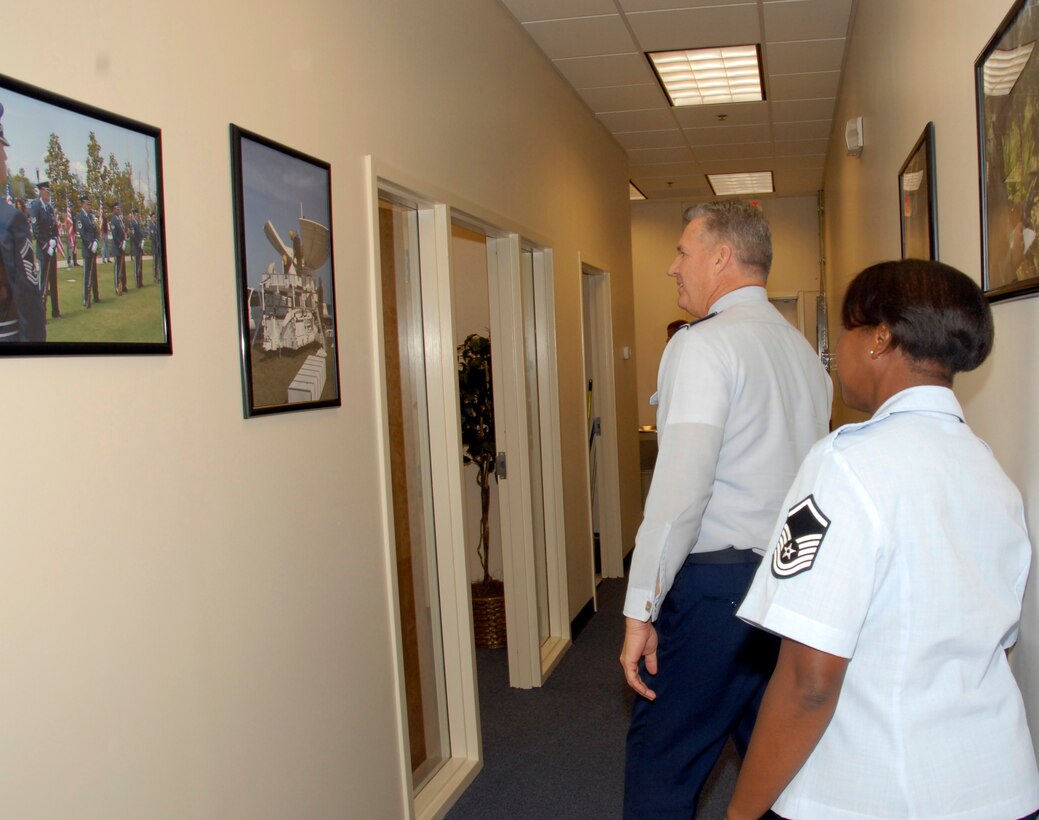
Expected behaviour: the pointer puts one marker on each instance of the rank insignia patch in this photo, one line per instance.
(799, 540)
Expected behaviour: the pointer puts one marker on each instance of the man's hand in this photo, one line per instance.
(640, 640)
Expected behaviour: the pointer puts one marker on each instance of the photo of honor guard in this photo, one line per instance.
(137, 247)
(86, 227)
(153, 234)
(741, 397)
(45, 229)
(22, 317)
(115, 223)
(895, 579)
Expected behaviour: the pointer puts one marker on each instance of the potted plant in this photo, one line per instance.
(476, 405)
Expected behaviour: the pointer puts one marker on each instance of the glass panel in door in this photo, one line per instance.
(537, 496)
(411, 479)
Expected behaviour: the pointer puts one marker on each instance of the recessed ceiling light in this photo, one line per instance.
(759, 182)
(709, 76)
(634, 192)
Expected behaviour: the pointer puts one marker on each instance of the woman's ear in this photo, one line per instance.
(881, 340)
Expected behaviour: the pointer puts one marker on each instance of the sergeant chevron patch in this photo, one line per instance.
(800, 539)
(29, 263)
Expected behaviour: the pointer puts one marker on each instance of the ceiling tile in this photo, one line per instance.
(804, 86)
(582, 36)
(696, 28)
(597, 46)
(624, 97)
(725, 134)
(736, 166)
(657, 156)
(799, 110)
(747, 150)
(667, 170)
(619, 121)
(800, 147)
(681, 186)
(804, 56)
(634, 140)
(795, 182)
(808, 130)
(806, 19)
(527, 11)
(817, 161)
(600, 72)
(629, 6)
(704, 116)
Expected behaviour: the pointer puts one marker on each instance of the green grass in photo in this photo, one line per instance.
(136, 316)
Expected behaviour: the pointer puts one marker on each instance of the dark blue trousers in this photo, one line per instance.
(712, 669)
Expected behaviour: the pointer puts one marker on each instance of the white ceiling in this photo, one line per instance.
(599, 47)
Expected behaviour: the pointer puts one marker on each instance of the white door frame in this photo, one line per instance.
(466, 759)
(604, 392)
(530, 661)
(436, 210)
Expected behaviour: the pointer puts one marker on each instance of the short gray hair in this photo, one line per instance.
(740, 225)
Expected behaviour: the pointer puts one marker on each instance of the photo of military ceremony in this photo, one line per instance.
(286, 277)
(81, 250)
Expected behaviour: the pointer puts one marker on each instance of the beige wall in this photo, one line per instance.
(655, 230)
(897, 81)
(186, 633)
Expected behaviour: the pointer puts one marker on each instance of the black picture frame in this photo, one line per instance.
(1006, 79)
(82, 152)
(918, 199)
(286, 289)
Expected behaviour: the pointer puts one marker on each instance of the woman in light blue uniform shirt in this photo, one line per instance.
(895, 580)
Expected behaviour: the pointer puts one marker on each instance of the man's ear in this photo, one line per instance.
(722, 256)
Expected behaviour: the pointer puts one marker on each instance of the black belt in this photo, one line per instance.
(729, 555)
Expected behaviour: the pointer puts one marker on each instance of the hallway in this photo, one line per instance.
(558, 751)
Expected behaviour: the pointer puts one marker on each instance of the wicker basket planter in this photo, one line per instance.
(489, 614)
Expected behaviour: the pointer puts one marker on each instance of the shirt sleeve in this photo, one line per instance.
(23, 277)
(693, 391)
(816, 583)
(683, 479)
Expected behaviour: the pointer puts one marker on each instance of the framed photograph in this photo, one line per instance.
(1006, 77)
(82, 231)
(918, 200)
(286, 278)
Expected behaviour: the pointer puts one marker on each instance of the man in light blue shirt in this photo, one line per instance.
(741, 398)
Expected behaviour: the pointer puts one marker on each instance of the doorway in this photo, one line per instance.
(601, 420)
(520, 313)
(421, 474)
(418, 417)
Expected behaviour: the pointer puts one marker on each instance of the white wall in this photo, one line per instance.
(655, 230)
(910, 63)
(181, 636)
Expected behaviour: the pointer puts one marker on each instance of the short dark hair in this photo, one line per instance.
(739, 224)
(935, 313)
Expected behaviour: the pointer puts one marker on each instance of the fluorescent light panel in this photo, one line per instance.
(710, 76)
(634, 192)
(759, 182)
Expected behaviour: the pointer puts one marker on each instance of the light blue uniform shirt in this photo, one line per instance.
(902, 546)
(741, 397)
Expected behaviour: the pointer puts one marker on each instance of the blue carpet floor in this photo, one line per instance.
(558, 751)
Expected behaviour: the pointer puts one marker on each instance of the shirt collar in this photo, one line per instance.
(750, 293)
(925, 398)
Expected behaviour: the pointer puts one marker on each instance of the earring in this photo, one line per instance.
(871, 354)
